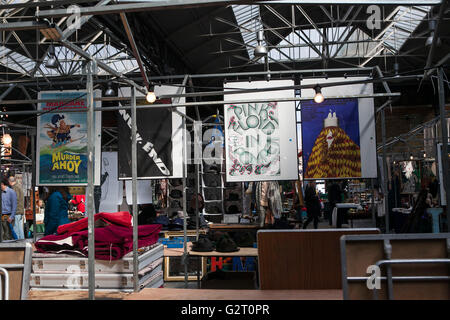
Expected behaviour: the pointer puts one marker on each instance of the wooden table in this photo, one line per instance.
(188, 294)
(178, 252)
(211, 294)
(233, 226)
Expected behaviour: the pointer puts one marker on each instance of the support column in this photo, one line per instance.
(445, 164)
(134, 188)
(33, 183)
(385, 173)
(90, 177)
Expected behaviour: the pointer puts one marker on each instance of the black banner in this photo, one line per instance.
(154, 143)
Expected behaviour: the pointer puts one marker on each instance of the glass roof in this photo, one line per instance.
(297, 45)
(404, 23)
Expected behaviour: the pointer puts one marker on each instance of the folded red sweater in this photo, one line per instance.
(121, 218)
(111, 242)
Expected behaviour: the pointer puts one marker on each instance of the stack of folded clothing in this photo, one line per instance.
(61, 260)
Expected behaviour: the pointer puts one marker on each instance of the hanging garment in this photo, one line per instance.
(121, 218)
(274, 197)
(79, 201)
(111, 242)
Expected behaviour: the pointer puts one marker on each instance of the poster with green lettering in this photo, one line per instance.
(62, 142)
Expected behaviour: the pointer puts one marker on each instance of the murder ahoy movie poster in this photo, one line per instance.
(154, 142)
(62, 139)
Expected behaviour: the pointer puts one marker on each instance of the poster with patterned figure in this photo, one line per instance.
(331, 144)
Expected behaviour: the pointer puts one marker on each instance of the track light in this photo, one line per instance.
(110, 91)
(318, 98)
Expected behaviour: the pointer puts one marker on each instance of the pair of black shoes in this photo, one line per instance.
(224, 244)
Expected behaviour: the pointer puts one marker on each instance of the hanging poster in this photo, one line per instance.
(330, 135)
(111, 195)
(62, 139)
(338, 135)
(144, 191)
(159, 138)
(260, 138)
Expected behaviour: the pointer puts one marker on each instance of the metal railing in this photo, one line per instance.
(6, 276)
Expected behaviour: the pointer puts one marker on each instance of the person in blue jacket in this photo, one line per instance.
(56, 209)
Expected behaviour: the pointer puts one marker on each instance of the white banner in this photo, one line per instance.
(260, 138)
(112, 188)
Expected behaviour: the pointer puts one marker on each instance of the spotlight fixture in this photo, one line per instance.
(429, 41)
(396, 68)
(424, 155)
(52, 62)
(318, 98)
(151, 97)
(110, 91)
(411, 157)
(260, 49)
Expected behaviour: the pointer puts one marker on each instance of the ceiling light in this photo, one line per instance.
(6, 139)
(52, 62)
(151, 97)
(260, 49)
(110, 91)
(318, 98)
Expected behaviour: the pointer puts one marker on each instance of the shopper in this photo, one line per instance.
(334, 197)
(56, 209)
(18, 218)
(9, 207)
(268, 202)
(312, 205)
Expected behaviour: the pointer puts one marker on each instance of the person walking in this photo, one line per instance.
(18, 218)
(56, 209)
(9, 207)
(312, 205)
(334, 197)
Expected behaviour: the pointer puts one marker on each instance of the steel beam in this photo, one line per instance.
(204, 103)
(383, 137)
(135, 49)
(177, 4)
(436, 35)
(101, 64)
(25, 25)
